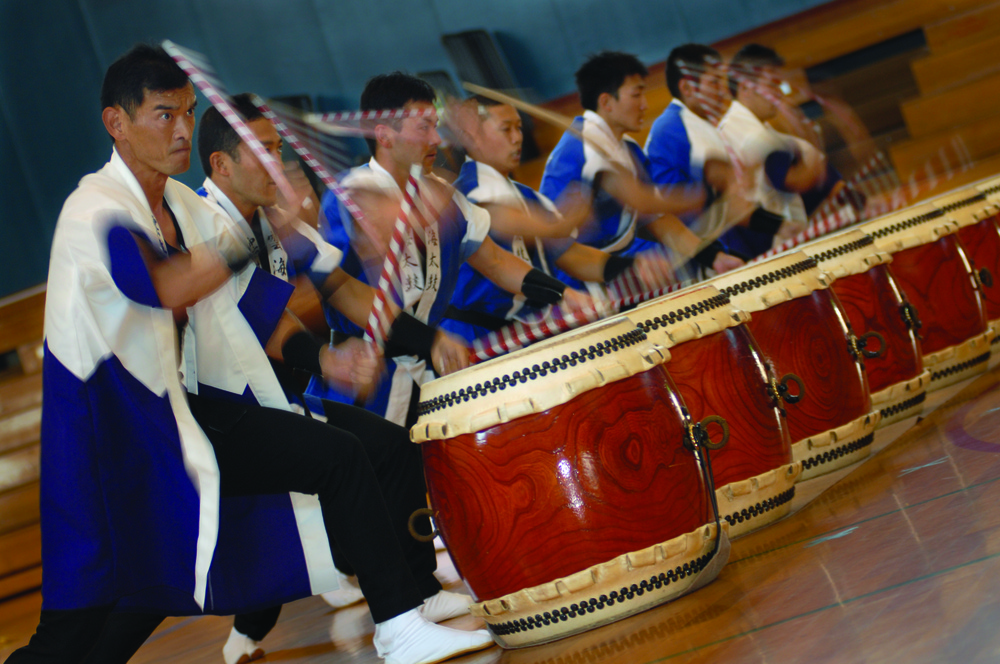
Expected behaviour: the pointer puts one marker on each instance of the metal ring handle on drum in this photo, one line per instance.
(984, 277)
(863, 344)
(782, 388)
(707, 440)
(423, 511)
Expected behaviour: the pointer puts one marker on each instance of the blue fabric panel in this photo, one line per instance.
(301, 254)
(669, 149)
(263, 303)
(554, 247)
(128, 268)
(565, 164)
(466, 331)
(776, 168)
(745, 242)
(119, 513)
(261, 524)
(210, 392)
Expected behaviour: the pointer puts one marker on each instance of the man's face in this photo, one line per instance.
(629, 109)
(703, 89)
(711, 91)
(417, 139)
(759, 95)
(248, 179)
(159, 135)
(501, 138)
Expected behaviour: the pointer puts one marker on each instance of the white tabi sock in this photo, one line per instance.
(410, 639)
(240, 649)
(349, 593)
(445, 605)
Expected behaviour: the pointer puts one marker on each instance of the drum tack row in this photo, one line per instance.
(600, 473)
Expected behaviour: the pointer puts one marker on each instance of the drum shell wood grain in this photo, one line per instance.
(873, 302)
(981, 243)
(808, 336)
(542, 497)
(724, 374)
(936, 278)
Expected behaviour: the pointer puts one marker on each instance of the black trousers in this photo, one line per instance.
(89, 636)
(367, 491)
(385, 444)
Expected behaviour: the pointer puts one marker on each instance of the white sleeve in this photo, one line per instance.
(329, 256)
(477, 219)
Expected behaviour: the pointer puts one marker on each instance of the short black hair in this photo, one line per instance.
(142, 69)
(606, 72)
(748, 59)
(215, 134)
(390, 91)
(687, 56)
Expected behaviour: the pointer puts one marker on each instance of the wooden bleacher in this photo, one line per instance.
(21, 318)
(958, 111)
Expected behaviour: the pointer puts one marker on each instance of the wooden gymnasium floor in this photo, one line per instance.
(896, 559)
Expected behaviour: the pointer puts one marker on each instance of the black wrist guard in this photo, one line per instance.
(301, 351)
(765, 222)
(706, 256)
(408, 336)
(540, 287)
(616, 265)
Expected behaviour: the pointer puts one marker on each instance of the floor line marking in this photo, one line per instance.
(866, 595)
(843, 533)
(871, 518)
(926, 465)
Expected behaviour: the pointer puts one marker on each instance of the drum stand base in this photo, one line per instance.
(757, 501)
(836, 448)
(606, 592)
(956, 363)
(902, 400)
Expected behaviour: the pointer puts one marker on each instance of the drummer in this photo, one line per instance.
(783, 166)
(684, 147)
(524, 222)
(597, 152)
(430, 268)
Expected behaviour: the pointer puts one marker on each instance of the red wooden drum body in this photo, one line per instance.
(935, 275)
(801, 329)
(991, 189)
(719, 371)
(875, 305)
(558, 475)
(980, 238)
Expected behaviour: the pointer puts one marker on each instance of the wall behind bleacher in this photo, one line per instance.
(53, 54)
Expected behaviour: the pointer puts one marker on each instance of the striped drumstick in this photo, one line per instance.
(203, 76)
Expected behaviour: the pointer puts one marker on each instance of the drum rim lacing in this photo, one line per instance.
(536, 370)
(959, 367)
(676, 316)
(897, 408)
(847, 248)
(965, 202)
(906, 224)
(770, 277)
(837, 452)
